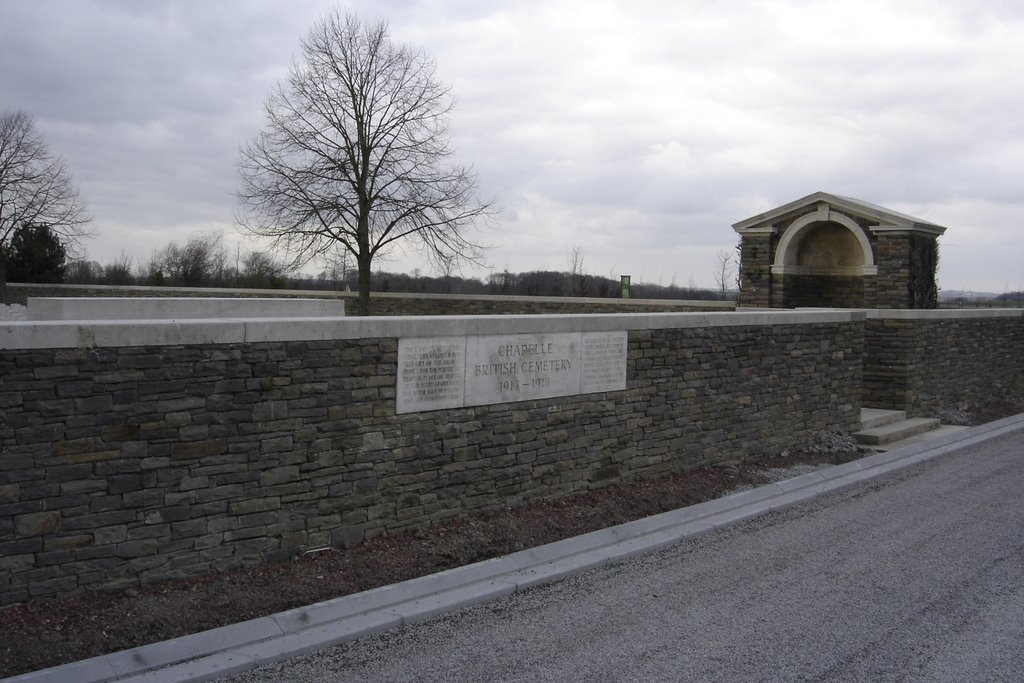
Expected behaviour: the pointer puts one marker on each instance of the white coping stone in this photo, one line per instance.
(944, 313)
(178, 308)
(114, 333)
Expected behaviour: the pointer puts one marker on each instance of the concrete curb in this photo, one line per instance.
(231, 649)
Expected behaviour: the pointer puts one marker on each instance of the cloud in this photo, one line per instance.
(640, 131)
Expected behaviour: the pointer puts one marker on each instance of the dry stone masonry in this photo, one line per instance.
(157, 450)
(926, 361)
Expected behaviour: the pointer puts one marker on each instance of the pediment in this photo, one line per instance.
(877, 217)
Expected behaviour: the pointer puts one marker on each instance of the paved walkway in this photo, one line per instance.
(720, 596)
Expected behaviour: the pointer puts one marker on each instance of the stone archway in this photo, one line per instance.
(823, 258)
(824, 241)
(825, 250)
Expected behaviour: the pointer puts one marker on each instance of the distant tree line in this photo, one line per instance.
(1004, 300)
(204, 261)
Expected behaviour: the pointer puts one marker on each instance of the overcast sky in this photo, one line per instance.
(639, 130)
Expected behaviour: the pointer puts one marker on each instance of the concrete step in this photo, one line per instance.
(876, 417)
(941, 432)
(896, 431)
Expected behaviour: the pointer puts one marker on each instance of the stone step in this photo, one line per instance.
(876, 417)
(896, 431)
(942, 432)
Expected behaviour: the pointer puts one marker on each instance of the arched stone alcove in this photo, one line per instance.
(828, 247)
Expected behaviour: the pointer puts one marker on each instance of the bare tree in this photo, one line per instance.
(738, 260)
(723, 272)
(355, 151)
(35, 189)
(263, 271)
(445, 266)
(120, 271)
(577, 277)
(201, 261)
(82, 272)
(337, 263)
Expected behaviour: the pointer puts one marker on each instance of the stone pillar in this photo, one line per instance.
(892, 284)
(924, 262)
(755, 257)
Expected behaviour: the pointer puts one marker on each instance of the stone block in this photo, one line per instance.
(230, 537)
(94, 404)
(17, 563)
(139, 548)
(9, 493)
(124, 483)
(219, 493)
(67, 542)
(120, 432)
(55, 586)
(94, 456)
(246, 507)
(198, 449)
(153, 529)
(276, 444)
(174, 513)
(194, 432)
(21, 546)
(189, 528)
(37, 523)
(110, 534)
(279, 475)
(41, 434)
(143, 498)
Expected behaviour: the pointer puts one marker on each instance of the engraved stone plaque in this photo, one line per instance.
(451, 372)
(604, 362)
(507, 368)
(431, 373)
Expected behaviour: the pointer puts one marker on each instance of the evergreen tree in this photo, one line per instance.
(37, 255)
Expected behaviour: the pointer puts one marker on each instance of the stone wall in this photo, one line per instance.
(387, 303)
(923, 361)
(144, 451)
(840, 291)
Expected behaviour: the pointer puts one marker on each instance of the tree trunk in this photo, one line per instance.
(363, 302)
(3, 277)
(364, 259)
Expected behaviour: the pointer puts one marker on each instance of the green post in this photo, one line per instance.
(625, 286)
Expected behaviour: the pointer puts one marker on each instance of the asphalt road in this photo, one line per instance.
(916, 576)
